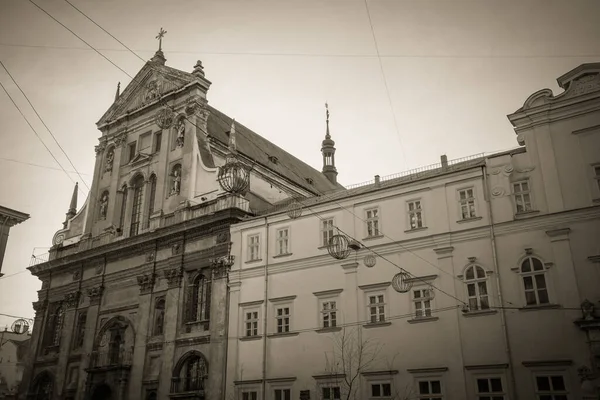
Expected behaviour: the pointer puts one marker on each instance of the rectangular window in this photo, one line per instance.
(283, 394)
(283, 241)
(381, 391)
(422, 302)
(331, 393)
(373, 222)
(329, 314)
(376, 308)
(80, 332)
(430, 390)
(522, 196)
(131, 147)
(145, 142)
(253, 247)
(327, 231)
(415, 214)
(250, 395)
(551, 387)
(283, 319)
(157, 141)
(490, 389)
(467, 203)
(251, 323)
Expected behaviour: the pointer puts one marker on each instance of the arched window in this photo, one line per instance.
(533, 273)
(199, 299)
(151, 199)
(80, 330)
(115, 349)
(43, 387)
(123, 210)
(159, 317)
(477, 291)
(190, 373)
(54, 327)
(136, 209)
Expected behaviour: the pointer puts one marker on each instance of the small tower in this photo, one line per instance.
(328, 150)
(72, 207)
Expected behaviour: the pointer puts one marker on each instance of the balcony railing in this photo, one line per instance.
(186, 385)
(109, 359)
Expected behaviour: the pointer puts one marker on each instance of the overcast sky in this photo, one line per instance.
(453, 69)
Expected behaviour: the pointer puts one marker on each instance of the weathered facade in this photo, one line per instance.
(8, 219)
(134, 297)
(471, 279)
(13, 354)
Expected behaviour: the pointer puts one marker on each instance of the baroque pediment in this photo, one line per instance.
(140, 158)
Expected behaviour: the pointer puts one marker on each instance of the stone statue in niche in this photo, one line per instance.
(176, 181)
(103, 205)
(180, 133)
(109, 160)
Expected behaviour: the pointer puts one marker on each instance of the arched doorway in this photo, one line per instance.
(43, 387)
(102, 392)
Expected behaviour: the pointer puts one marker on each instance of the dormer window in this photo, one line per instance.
(273, 159)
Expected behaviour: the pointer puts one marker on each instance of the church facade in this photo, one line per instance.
(134, 297)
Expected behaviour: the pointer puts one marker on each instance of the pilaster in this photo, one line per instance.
(91, 326)
(93, 194)
(232, 361)
(351, 293)
(41, 308)
(71, 301)
(564, 269)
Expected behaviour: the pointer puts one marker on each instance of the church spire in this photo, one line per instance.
(159, 57)
(73, 206)
(328, 151)
(118, 93)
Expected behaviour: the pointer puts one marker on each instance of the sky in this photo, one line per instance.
(406, 81)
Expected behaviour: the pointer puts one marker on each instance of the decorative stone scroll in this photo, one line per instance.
(39, 307)
(146, 283)
(72, 299)
(95, 294)
(174, 276)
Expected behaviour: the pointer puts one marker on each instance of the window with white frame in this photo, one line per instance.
(331, 393)
(328, 313)
(415, 214)
(551, 386)
(283, 394)
(249, 395)
(477, 291)
(282, 318)
(373, 222)
(430, 390)
(283, 241)
(522, 195)
(381, 390)
(251, 320)
(490, 389)
(253, 247)
(467, 203)
(327, 231)
(422, 299)
(533, 273)
(376, 307)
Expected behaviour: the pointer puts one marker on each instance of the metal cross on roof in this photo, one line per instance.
(160, 35)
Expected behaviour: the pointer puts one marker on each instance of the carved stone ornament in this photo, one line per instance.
(225, 261)
(150, 256)
(176, 177)
(176, 249)
(153, 90)
(508, 169)
(99, 269)
(180, 133)
(40, 306)
(72, 299)
(219, 272)
(164, 118)
(495, 171)
(95, 294)
(585, 84)
(521, 139)
(100, 148)
(110, 157)
(192, 106)
(76, 275)
(497, 191)
(104, 205)
(222, 237)
(173, 276)
(58, 239)
(121, 139)
(146, 283)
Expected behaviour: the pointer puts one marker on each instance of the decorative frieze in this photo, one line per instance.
(173, 277)
(95, 294)
(71, 300)
(146, 282)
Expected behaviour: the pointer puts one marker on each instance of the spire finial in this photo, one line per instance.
(72, 211)
(161, 34)
(327, 135)
(232, 144)
(118, 91)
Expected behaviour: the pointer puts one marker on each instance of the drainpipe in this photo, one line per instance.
(507, 348)
(264, 371)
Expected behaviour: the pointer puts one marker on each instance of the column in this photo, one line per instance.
(91, 324)
(146, 282)
(351, 294)
(565, 270)
(234, 329)
(40, 308)
(173, 299)
(70, 302)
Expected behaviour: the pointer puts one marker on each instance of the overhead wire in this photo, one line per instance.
(36, 165)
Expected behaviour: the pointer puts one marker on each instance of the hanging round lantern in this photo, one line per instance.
(294, 210)
(234, 177)
(20, 326)
(370, 260)
(165, 118)
(338, 247)
(400, 284)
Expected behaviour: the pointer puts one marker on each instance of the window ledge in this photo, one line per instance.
(415, 229)
(282, 255)
(283, 334)
(479, 313)
(472, 219)
(249, 338)
(422, 319)
(253, 261)
(540, 307)
(524, 214)
(327, 330)
(377, 324)
(374, 237)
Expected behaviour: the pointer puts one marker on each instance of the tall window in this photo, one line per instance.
(327, 231)
(283, 241)
(376, 308)
(131, 147)
(55, 327)
(44, 387)
(283, 394)
(157, 141)
(136, 209)
(115, 349)
(467, 203)
(415, 214)
(422, 302)
(249, 395)
(430, 390)
(329, 314)
(199, 301)
(194, 372)
(551, 387)
(533, 273)
(151, 199)
(253, 247)
(159, 317)
(331, 393)
(490, 389)
(251, 323)
(522, 196)
(283, 319)
(80, 330)
(373, 222)
(381, 391)
(477, 292)
(123, 210)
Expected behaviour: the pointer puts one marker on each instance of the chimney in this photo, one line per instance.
(444, 160)
(377, 180)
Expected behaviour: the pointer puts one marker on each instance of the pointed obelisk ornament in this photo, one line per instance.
(232, 143)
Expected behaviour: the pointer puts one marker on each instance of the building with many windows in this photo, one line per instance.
(469, 279)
